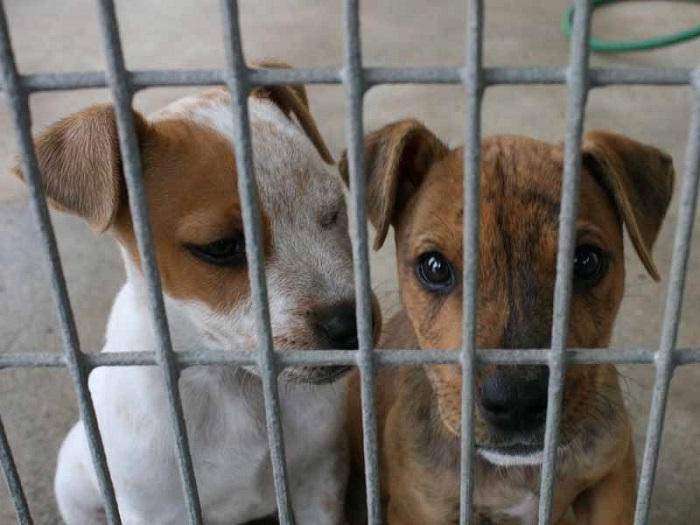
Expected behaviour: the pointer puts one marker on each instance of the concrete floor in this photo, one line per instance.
(37, 407)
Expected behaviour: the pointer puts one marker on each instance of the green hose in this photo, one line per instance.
(605, 46)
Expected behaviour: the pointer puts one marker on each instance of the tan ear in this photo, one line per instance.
(81, 165)
(640, 179)
(299, 89)
(397, 157)
(292, 100)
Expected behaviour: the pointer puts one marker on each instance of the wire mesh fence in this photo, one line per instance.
(579, 79)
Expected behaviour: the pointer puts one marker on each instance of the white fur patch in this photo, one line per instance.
(236, 329)
(224, 405)
(511, 460)
(218, 115)
(526, 510)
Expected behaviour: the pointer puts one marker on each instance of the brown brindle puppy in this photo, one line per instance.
(415, 185)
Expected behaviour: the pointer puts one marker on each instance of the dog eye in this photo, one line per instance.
(435, 272)
(590, 264)
(229, 251)
(328, 219)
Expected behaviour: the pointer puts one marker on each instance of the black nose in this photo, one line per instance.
(338, 327)
(514, 399)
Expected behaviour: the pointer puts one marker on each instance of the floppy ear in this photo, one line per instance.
(293, 100)
(81, 165)
(397, 157)
(640, 179)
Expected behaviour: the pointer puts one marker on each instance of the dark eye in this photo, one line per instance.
(328, 219)
(590, 264)
(435, 272)
(229, 251)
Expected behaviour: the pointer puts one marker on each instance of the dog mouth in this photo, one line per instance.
(514, 455)
(517, 452)
(314, 375)
(517, 448)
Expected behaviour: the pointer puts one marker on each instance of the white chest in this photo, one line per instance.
(225, 418)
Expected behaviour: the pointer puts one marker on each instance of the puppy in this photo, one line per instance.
(195, 212)
(415, 185)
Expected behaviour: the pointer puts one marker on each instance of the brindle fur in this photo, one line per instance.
(415, 185)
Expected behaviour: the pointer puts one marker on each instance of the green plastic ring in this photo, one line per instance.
(604, 46)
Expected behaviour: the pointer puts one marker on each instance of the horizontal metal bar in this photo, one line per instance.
(639, 76)
(177, 77)
(388, 357)
(529, 75)
(687, 356)
(38, 82)
(415, 75)
(281, 76)
(373, 76)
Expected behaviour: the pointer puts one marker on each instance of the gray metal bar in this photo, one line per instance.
(577, 89)
(495, 76)
(177, 77)
(237, 81)
(21, 118)
(384, 357)
(14, 484)
(37, 82)
(372, 76)
(665, 358)
(133, 173)
(687, 356)
(355, 88)
(473, 83)
(638, 76)
(356, 79)
(284, 76)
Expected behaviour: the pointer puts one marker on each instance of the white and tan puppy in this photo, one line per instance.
(195, 212)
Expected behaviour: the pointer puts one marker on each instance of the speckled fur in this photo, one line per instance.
(190, 183)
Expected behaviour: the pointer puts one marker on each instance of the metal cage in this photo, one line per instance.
(356, 79)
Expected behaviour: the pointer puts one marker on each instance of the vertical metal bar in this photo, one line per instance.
(472, 159)
(237, 80)
(577, 88)
(21, 119)
(353, 81)
(14, 484)
(665, 357)
(131, 160)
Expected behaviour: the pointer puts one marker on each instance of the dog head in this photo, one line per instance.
(415, 184)
(195, 211)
